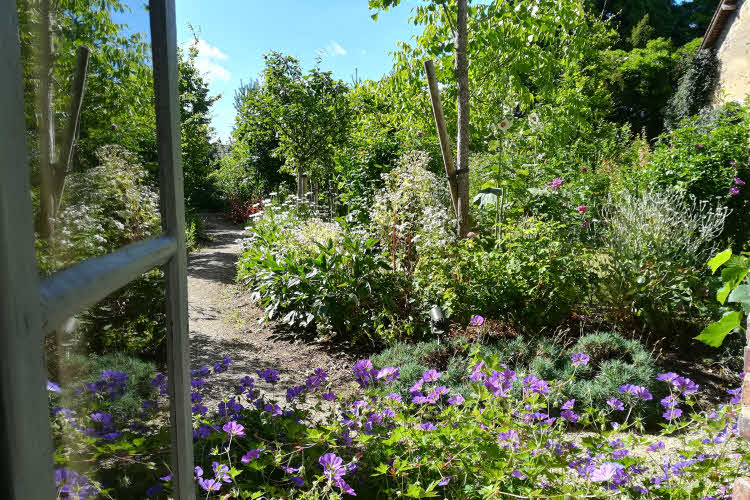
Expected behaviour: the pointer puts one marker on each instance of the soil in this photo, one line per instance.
(225, 321)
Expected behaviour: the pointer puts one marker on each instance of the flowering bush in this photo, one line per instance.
(412, 212)
(508, 436)
(307, 272)
(656, 245)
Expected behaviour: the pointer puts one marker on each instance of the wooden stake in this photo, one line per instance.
(445, 142)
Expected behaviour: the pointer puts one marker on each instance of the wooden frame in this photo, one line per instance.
(30, 309)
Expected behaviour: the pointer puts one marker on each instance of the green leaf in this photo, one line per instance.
(487, 196)
(740, 294)
(723, 293)
(714, 333)
(719, 259)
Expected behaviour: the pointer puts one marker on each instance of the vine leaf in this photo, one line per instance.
(714, 333)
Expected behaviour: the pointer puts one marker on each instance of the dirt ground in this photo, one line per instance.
(224, 321)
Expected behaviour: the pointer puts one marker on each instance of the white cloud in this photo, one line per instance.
(333, 49)
(208, 64)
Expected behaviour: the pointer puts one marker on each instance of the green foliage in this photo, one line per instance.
(311, 273)
(642, 33)
(695, 87)
(642, 84)
(655, 245)
(412, 213)
(310, 114)
(701, 158)
(198, 152)
(614, 361)
(131, 321)
(735, 289)
(80, 368)
(104, 208)
(536, 275)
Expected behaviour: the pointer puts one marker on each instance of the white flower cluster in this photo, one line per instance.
(104, 208)
(414, 206)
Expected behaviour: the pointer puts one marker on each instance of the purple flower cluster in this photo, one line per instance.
(71, 484)
(365, 372)
(334, 470)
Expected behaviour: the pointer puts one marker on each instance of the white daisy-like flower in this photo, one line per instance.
(505, 124)
(534, 119)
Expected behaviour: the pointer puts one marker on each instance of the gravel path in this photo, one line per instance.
(224, 321)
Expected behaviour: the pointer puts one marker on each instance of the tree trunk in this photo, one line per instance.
(300, 184)
(462, 79)
(46, 126)
(78, 90)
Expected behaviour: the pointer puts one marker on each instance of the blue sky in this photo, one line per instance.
(234, 35)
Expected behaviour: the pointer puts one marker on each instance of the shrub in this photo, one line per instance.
(701, 158)
(131, 321)
(105, 208)
(613, 362)
(412, 213)
(535, 275)
(656, 245)
(128, 405)
(326, 274)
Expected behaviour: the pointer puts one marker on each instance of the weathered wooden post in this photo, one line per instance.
(445, 142)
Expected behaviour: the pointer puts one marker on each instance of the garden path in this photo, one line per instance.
(225, 321)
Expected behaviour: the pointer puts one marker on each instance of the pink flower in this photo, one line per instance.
(739, 181)
(471, 234)
(582, 209)
(734, 191)
(556, 183)
(699, 146)
(584, 170)
(586, 223)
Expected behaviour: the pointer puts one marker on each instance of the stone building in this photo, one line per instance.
(729, 34)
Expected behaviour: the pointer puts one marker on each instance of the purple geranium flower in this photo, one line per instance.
(685, 385)
(428, 426)
(672, 414)
(389, 374)
(616, 404)
(250, 455)
(456, 400)
(444, 481)
(568, 405)
(52, 387)
(734, 191)
(656, 446)
(580, 359)
(667, 377)
(268, 375)
(605, 472)
(333, 465)
(636, 390)
(477, 320)
(739, 181)
(431, 375)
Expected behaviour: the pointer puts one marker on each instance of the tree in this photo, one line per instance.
(309, 113)
(66, 46)
(461, 69)
(642, 33)
(198, 152)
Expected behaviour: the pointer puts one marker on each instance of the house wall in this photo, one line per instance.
(733, 51)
